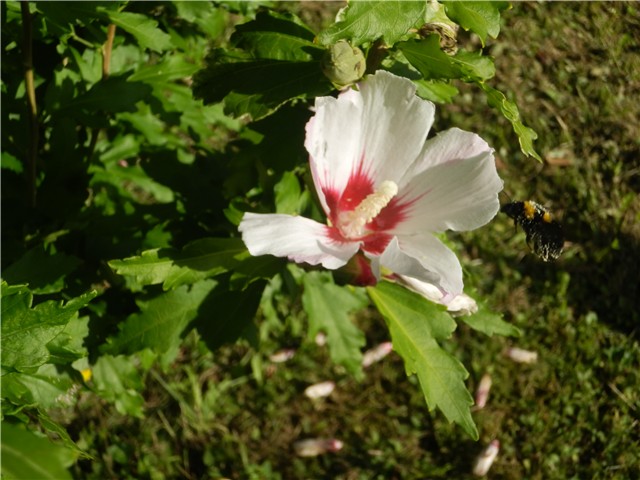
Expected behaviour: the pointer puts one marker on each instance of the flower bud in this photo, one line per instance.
(522, 356)
(312, 447)
(343, 64)
(376, 354)
(482, 393)
(320, 390)
(486, 458)
(283, 355)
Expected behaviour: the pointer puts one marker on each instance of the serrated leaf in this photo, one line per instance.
(226, 315)
(115, 94)
(257, 87)
(490, 323)
(45, 273)
(482, 18)
(526, 135)
(161, 321)
(426, 56)
(144, 29)
(117, 380)
(328, 306)
(27, 331)
(19, 461)
(200, 259)
(275, 61)
(366, 21)
(415, 325)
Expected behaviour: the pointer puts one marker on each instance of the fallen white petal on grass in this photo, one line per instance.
(283, 355)
(482, 392)
(486, 458)
(312, 447)
(376, 354)
(522, 356)
(320, 390)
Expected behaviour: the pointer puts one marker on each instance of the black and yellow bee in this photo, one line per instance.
(544, 234)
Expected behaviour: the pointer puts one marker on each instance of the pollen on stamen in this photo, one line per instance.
(352, 223)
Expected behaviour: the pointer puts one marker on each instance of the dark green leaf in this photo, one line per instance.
(328, 307)
(415, 325)
(275, 61)
(226, 315)
(115, 94)
(161, 321)
(19, 461)
(43, 272)
(433, 63)
(365, 21)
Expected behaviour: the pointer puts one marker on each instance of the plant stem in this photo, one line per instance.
(27, 61)
(106, 70)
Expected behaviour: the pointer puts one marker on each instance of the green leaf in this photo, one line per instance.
(115, 94)
(43, 272)
(365, 21)
(210, 19)
(328, 306)
(9, 162)
(226, 315)
(161, 320)
(287, 193)
(46, 388)
(415, 325)
(426, 56)
(170, 68)
(27, 331)
(482, 18)
(61, 433)
(200, 259)
(144, 29)
(490, 323)
(133, 182)
(20, 460)
(509, 109)
(117, 380)
(435, 91)
(69, 345)
(274, 61)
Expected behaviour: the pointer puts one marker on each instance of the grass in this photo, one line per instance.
(574, 70)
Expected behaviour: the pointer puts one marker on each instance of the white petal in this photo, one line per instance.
(460, 193)
(426, 258)
(384, 124)
(297, 238)
(447, 146)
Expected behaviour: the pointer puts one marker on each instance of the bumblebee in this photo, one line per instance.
(544, 235)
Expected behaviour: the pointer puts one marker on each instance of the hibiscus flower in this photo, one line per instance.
(385, 188)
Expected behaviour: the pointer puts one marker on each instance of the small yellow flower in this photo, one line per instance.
(86, 374)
